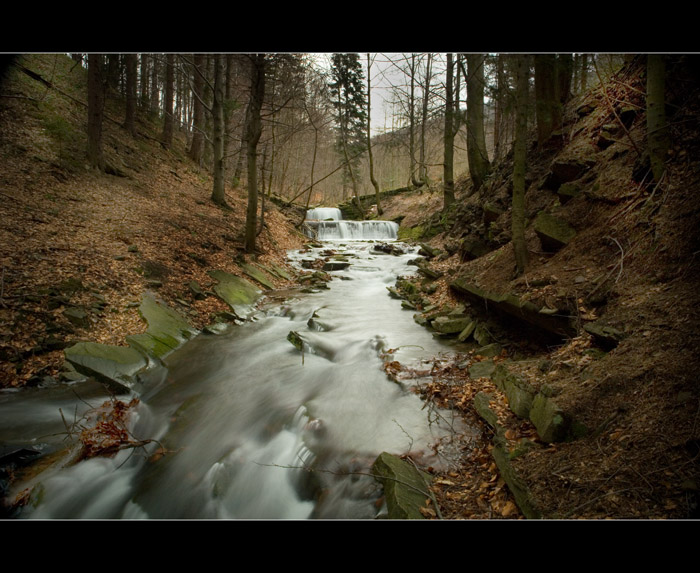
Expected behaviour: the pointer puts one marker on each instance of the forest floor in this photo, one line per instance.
(74, 238)
(632, 266)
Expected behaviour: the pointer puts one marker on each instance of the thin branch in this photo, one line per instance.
(612, 108)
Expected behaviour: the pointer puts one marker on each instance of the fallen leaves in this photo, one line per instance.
(108, 434)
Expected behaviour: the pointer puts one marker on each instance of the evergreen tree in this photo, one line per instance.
(349, 104)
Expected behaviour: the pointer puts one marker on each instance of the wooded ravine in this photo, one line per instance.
(551, 202)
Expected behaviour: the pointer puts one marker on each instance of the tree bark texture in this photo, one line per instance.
(218, 194)
(424, 122)
(253, 131)
(477, 154)
(167, 137)
(155, 92)
(130, 118)
(565, 69)
(545, 96)
(95, 111)
(519, 160)
(369, 139)
(197, 146)
(448, 138)
(657, 127)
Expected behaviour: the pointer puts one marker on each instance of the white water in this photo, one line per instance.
(324, 214)
(353, 230)
(244, 416)
(327, 224)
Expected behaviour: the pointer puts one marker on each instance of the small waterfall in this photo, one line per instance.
(327, 224)
(324, 214)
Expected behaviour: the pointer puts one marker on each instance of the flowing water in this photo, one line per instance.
(327, 224)
(249, 427)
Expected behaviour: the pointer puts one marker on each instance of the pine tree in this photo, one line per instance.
(349, 103)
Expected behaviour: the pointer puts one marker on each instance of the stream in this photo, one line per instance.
(244, 425)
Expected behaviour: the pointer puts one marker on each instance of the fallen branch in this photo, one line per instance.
(612, 108)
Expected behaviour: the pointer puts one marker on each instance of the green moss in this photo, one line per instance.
(410, 233)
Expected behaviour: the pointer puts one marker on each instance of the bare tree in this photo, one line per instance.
(218, 194)
(253, 132)
(196, 151)
(479, 165)
(167, 135)
(369, 136)
(130, 117)
(96, 99)
(657, 127)
(448, 137)
(519, 161)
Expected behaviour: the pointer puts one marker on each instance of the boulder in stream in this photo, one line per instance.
(405, 486)
(115, 366)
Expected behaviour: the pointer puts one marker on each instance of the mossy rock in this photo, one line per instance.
(490, 350)
(483, 369)
(568, 191)
(278, 271)
(405, 487)
(553, 232)
(517, 486)
(473, 248)
(448, 325)
(166, 328)
(410, 233)
(258, 275)
(549, 420)
(297, 341)
(520, 394)
(77, 316)
(115, 366)
(491, 213)
(521, 309)
(481, 335)
(605, 336)
(483, 408)
(235, 291)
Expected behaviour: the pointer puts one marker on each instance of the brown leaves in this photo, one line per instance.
(109, 433)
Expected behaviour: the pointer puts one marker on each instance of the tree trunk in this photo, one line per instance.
(155, 92)
(657, 128)
(424, 122)
(545, 96)
(369, 139)
(130, 119)
(584, 72)
(144, 81)
(519, 158)
(413, 180)
(219, 193)
(113, 72)
(197, 147)
(497, 130)
(167, 136)
(239, 162)
(253, 131)
(448, 139)
(565, 67)
(95, 111)
(479, 165)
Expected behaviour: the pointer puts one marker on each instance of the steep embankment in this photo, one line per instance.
(623, 277)
(79, 248)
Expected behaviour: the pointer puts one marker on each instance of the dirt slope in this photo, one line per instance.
(74, 238)
(633, 266)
